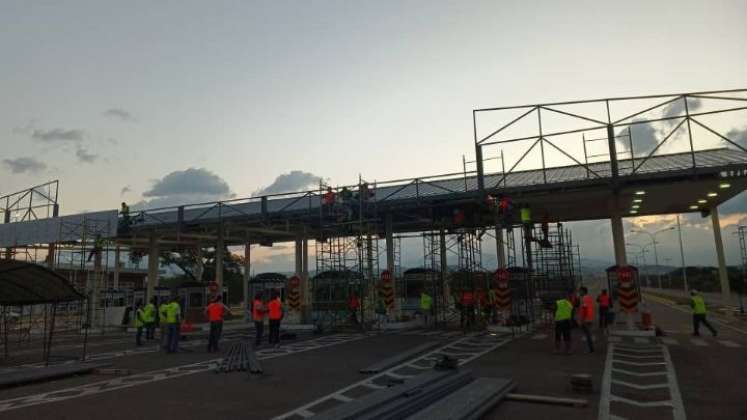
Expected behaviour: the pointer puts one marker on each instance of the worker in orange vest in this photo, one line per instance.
(275, 310)
(258, 316)
(586, 316)
(604, 308)
(215, 312)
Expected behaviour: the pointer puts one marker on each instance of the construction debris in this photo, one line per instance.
(399, 358)
(240, 357)
(573, 402)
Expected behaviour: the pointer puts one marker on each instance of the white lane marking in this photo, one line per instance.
(698, 342)
(305, 413)
(674, 389)
(155, 376)
(539, 336)
(641, 375)
(729, 343)
(342, 398)
(605, 391)
(670, 341)
(642, 364)
(614, 339)
(641, 340)
(641, 387)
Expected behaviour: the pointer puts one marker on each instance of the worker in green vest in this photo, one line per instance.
(173, 316)
(139, 323)
(162, 323)
(563, 315)
(426, 305)
(149, 316)
(699, 313)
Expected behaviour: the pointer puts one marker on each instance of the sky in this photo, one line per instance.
(158, 103)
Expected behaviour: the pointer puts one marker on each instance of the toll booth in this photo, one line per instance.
(161, 292)
(468, 281)
(624, 288)
(113, 297)
(265, 283)
(413, 281)
(193, 298)
(330, 293)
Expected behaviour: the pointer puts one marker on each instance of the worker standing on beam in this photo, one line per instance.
(215, 312)
(699, 313)
(149, 312)
(173, 316)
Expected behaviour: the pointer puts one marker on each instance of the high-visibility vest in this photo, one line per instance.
(587, 308)
(276, 309)
(526, 215)
(563, 310)
(149, 313)
(172, 312)
(604, 300)
(139, 318)
(468, 298)
(699, 306)
(162, 312)
(354, 303)
(215, 312)
(425, 302)
(258, 313)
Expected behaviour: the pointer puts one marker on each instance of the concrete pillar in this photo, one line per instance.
(245, 283)
(152, 267)
(499, 245)
(298, 256)
(722, 274)
(117, 266)
(618, 240)
(219, 248)
(305, 291)
(389, 233)
(50, 256)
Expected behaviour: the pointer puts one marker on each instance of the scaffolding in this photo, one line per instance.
(554, 271)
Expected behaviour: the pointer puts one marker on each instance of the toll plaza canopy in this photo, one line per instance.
(23, 283)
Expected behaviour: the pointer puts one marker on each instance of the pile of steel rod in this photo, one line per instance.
(240, 358)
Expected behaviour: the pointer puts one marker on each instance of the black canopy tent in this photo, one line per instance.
(26, 284)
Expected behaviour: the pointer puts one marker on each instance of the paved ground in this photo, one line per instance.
(314, 373)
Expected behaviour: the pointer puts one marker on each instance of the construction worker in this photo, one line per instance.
(426, 305)
(354, 305)
(604, 309)
(173, 318)
(586, 317)
(468, 309)
(699, 313)
(215, 312)
(563, 313)
(149, 312)
(258, 316)
(275, 310)
(162, 315)
(139, 323)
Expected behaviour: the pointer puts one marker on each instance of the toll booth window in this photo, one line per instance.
(195, 300)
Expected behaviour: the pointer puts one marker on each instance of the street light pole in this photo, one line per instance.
(682, 256)
(653, 241)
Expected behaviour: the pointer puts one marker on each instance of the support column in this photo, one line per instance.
(722, 274)
(618, 240)
(388, 230)
(305, 292)
(219, 247)
(245, 283)
(446, 292)
(299, 256)
(97, 277)
(500, 249)
(117, 267)
(152, 267)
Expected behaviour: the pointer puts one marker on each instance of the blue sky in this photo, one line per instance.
(113, 97)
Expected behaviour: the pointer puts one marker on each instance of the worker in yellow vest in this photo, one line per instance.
(426, 305)
(563, 315)
(139, 323)
(173, 316)
(149, 316)
(699, 313)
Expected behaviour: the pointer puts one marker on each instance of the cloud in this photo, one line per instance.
(58, 134)
(24, 164)
(677, 108)
(193, 185)
(126, 189)
(84, 156)
(119, 113)
(738, 136)
(291, 182)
